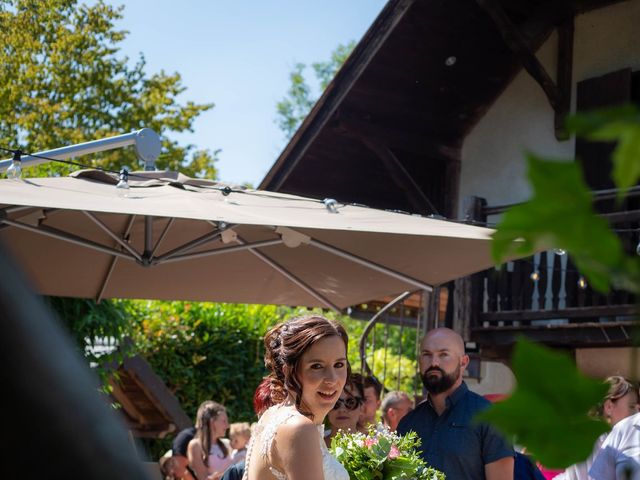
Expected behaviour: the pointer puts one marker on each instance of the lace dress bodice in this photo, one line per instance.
(264, 434)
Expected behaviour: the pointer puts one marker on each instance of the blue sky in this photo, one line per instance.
(238, 55)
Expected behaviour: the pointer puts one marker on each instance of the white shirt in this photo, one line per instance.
(579, 471)
(620, 452)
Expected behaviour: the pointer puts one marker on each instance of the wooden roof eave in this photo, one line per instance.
(335, 92)
(153, 393)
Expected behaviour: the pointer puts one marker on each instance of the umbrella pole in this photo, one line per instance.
(148, 237)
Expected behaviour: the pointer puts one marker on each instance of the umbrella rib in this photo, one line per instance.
(187, 246)
(290, 276)
(115, 237)
(219, 251)
(162, 235)
(369, 264)
(114, 260)
(67, 237)
(16, 208)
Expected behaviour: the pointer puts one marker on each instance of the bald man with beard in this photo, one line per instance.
(451, 441)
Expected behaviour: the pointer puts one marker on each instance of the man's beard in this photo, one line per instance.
(444, 382)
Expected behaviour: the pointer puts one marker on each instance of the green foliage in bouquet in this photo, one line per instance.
(382, 455)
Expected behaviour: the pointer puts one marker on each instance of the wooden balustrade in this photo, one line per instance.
(544, 287)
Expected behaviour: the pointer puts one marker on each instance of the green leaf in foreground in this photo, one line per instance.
(619, 124)
(548, 411)
(561, 215)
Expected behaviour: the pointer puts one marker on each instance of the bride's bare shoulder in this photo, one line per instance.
(298, 449)
(297, 428)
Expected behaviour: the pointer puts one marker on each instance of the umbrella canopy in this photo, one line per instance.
(173, 237)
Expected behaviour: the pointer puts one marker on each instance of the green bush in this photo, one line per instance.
(214, 351)
(205, 351)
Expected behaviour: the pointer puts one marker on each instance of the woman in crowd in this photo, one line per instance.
(209, 453)
(307, 360)
(347, 411)
(620, 402)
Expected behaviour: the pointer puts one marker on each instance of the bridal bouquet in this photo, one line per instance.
(382, 455)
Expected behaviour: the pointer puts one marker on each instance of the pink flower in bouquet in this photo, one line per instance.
(370, 442)
(394, 452)
(382, 454)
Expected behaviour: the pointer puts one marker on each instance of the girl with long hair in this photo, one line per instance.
(209, 453)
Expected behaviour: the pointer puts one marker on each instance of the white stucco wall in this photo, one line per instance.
(495, 377)
(493, 164)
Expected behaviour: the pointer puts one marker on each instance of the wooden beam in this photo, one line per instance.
(452, 189)
(156, 391)
(468, 291)
(401, 177)
(569, 335)
(539, 25)
(352, 125)
(558, 94)
(127, 405)
(564, 76)
(520, 47)
(574, 312)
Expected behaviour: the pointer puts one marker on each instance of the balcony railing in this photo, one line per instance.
(545, 287)
(547, 297)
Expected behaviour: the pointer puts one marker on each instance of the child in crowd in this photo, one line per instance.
(239, 434)
(175, 468)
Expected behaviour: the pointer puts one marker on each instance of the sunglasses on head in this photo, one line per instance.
(350, 403)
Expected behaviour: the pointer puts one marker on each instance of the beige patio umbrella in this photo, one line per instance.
(172, 237)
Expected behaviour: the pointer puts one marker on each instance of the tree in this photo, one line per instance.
(294, 107)
(62, 81)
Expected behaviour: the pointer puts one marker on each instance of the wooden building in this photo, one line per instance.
(148, 407)
(431, 115)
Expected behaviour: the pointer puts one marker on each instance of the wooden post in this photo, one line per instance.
(469, 291)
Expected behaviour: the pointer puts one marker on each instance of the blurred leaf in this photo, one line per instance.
(548, 411)
(561, 215)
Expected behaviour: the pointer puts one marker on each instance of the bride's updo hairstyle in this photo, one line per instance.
(286, 343)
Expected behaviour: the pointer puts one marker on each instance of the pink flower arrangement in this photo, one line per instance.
(394, 452)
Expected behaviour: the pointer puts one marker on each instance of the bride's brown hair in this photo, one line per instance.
(286, 343)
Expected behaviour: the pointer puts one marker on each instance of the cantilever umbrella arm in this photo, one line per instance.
(146, 141)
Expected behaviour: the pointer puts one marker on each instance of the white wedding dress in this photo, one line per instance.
(265, 432)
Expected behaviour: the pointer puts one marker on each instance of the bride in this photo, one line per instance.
(307, 360)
